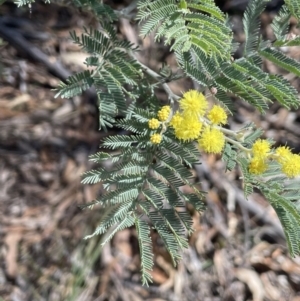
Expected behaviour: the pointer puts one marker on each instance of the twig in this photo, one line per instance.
(127, 11)
(239, 145)
(15, 39)
(33, 53)
(156, 76)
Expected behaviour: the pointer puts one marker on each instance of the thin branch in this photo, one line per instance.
(239, 145)
(156, 76)
(127, 12)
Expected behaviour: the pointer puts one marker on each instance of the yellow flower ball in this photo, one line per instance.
(156, 138)
(258, 165)
(291, 166)
(153, 123)
(261, 148)
(282, 153)
(176, 120)
(212, 140)
(193, 104)
(164, 113)
(188, 129)
(217, 115)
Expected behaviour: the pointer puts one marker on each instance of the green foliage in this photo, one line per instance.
(294, 8)
(280, 24)
(278, 58)
(143, 186)
(251, 23)
(112, 69)
(102, 11)
(27, 2)
(229, 156)
(145, 244)
(283, 195)
(145, 183)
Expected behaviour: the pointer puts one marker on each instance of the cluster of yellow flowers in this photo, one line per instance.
(154, 124)
(262, 154)
(156, 138)
(163, 113)
(189, 122)
(194, 121)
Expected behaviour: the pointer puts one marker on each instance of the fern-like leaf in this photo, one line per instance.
(281, 60)
(281, 23)
(75, 84)
(294, 7)
(251, 24)
(146, 252)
